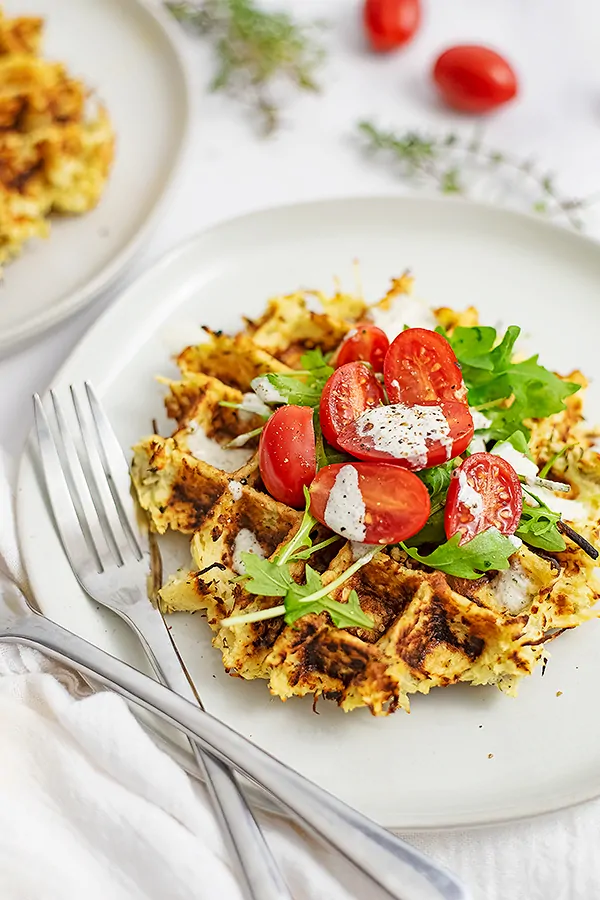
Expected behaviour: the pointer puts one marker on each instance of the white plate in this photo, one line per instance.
(128, 55)
(430, 769)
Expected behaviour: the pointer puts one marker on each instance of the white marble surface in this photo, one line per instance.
(229, 170)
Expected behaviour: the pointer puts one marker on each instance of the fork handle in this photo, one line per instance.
(257, 869)
(402, 871)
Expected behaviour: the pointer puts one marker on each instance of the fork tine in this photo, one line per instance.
(75, 480)
(94, 475)
(115, 466)
(74, 531)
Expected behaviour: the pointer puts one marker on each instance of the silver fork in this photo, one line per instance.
(403, 872)
(88, 485)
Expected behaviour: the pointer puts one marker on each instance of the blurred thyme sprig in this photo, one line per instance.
(254, 50)
(443, 161)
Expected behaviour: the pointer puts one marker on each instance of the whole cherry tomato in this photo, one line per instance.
(286, 454)
(485, 492)
(391, 23)
(413, 436)
(421, 367)
(474, 79)
(351, 390)
(374, 503)
(365, 342)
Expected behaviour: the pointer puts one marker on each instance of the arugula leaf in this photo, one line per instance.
(545, 471)
(501, 355)
(320, 453)
(519, 442)
(264, 576)
(301, 539)
(313, 361)
(491, 376)
(343, 615)
(305, 388)
(325, 453)
(273, 579)
(538, 527)
(437, 482)
(472, 345)
(489, 550)
(295, 391)
(432, 532)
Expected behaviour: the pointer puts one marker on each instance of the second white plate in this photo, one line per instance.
(465, 755)
(128, 56)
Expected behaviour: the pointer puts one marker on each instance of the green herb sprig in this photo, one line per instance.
(255, 49)
(437, 482)
(492, 377)
(272, 578)
(487, 551)
(450, 162)
(539, 526)
(305, 387)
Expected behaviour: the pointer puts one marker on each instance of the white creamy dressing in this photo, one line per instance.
(520, 463)
(513, 589)
(477, 445)
(265, 390)
(359, 551)
(245, 542)
(469, 497)
(404, 431)
(345, 509)
(236, 489)
(479, 420)
(573, 510)
(402, 310)
(211, 452)
(252, 405)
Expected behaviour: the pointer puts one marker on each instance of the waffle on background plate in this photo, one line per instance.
(55, 158)
(430, 629)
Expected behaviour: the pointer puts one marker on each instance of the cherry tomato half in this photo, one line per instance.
(416, 437)
(391, 23)
(474, 79)
(351, 390)
(421, 367)
(365, 342)
(286, 454)
(485, 492)
(374, 503)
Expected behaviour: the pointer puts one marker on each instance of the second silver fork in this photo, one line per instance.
(87, 481)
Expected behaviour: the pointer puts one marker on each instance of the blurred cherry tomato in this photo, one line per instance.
(391, 23)
(351, 390)
(286, 454)
(485, 492)
(416, 437)
(365, 342)
(373, 503)
(421, 367)
(474, 79)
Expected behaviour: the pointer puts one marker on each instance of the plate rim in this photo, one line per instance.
(16, 336)
(459, 821)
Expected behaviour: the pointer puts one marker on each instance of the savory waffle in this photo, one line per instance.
(54, 157)
(430, 629)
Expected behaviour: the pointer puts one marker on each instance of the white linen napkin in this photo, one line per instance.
(89, 806)
(87, 800)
